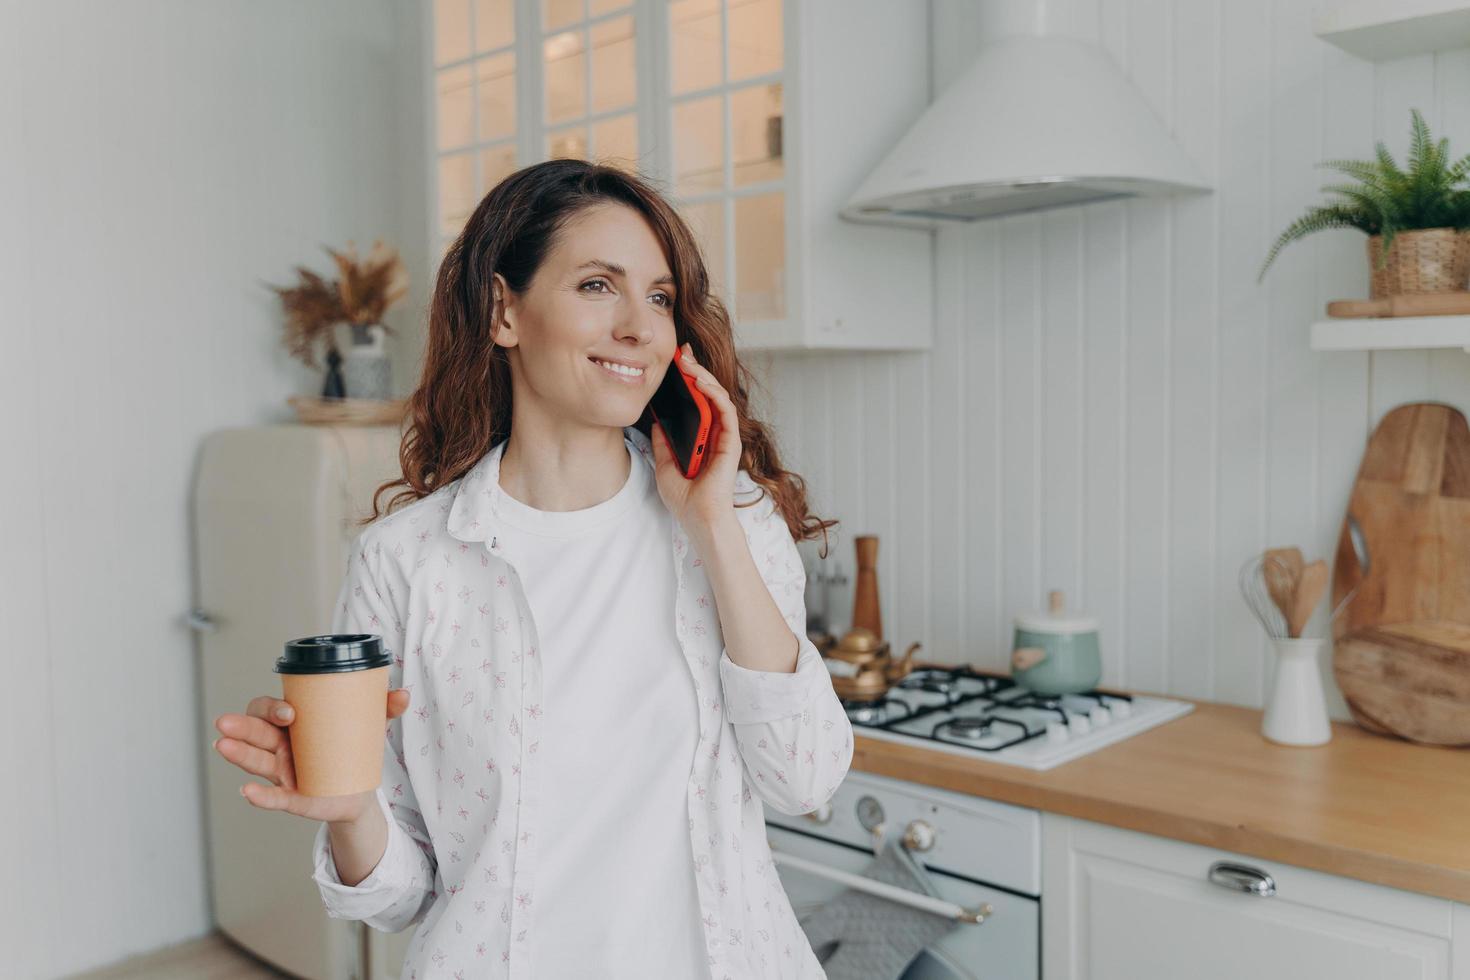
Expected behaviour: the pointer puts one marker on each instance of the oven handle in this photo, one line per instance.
(884, 890)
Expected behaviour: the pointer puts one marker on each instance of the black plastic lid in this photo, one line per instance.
(333, 653)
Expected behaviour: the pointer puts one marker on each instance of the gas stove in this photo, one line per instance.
(988, 716)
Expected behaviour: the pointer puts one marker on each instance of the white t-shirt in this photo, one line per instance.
(615, 877)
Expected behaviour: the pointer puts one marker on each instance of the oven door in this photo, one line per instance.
(1007, 944)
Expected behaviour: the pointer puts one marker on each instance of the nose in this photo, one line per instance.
(637, 325)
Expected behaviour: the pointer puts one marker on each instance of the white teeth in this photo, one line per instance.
(620, 368)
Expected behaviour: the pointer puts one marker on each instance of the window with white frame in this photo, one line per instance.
(522, 80)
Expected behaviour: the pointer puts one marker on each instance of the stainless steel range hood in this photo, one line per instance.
(1037, 121)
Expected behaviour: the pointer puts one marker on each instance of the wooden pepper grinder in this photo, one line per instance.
(865, 609)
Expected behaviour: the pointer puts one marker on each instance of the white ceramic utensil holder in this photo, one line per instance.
(1297, 712)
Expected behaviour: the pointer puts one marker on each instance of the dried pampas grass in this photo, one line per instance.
(367, 288)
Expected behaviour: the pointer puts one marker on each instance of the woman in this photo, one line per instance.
(600, 666)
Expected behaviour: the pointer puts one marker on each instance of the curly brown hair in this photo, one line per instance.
(462, 406)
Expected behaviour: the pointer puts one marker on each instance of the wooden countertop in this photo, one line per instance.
(1362, 806)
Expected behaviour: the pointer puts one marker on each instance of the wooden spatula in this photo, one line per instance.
(1282, 568)
(1310, 588)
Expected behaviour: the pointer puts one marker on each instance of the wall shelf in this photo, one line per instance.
(1392, 333)
(1381, 29)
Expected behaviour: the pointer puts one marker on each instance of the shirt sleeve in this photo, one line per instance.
(400, 889)
(794, 736)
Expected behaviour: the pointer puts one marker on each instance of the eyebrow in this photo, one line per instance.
(617, 270)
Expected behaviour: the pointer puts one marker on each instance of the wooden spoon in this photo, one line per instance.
(1282, 568)
(1309, 590)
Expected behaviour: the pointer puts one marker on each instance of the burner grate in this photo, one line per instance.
(965, 687)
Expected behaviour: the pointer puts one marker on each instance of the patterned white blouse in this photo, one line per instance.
(461, 777)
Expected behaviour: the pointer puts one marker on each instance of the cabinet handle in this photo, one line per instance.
(1242, 877)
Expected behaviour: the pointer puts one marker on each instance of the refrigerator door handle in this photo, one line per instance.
(200, 621)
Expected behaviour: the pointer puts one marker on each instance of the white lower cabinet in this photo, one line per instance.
(1120, 905)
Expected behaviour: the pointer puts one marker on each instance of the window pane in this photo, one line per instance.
(607, 6)
(760, 257)
(699, 146)
(614, 72)
(496, 164)
(568, 144)
(497, 83)
(451, 30)
(495, 25)
(556, 14)
(755, 37)
(755, 129)
(615, 141)
(707, 221)
(695, 44)
(456, 112)
(456, 192)
(566, 77)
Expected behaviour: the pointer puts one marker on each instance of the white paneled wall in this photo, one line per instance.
(1113, 405)
(159, 161)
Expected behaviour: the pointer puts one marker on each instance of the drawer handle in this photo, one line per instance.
(1242, 877)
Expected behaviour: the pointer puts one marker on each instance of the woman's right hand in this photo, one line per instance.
(258, 743)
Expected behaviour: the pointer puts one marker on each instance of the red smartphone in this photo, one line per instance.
(686, 417)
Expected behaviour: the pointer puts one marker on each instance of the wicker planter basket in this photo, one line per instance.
(1430, 260)
(348, 411)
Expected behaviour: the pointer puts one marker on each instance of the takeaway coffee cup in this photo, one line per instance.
(338, 686)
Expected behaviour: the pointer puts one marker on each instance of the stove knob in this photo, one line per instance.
(1080, 725)
(821, 815)
(1056, 732)
(1100, 716)
(918, 836)
(1121, 709)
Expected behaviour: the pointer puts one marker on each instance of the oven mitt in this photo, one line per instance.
(858, 936)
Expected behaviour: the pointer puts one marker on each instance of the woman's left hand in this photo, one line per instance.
(710, 496)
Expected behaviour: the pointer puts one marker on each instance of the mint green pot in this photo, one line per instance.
(1055, 654)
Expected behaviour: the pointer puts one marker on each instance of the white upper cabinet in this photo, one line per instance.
(726, 126)
(756, 117)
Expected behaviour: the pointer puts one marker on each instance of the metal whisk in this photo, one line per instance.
(1258, 596)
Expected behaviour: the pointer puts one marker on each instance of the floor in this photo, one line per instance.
(212, 958)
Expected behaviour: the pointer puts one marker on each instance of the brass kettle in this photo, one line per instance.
(862, 668)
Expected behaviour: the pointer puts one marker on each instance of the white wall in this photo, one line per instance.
(1113, 406)
(159, 161)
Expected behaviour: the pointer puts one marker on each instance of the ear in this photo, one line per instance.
(503, 332)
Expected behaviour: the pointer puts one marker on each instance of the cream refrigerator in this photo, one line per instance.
(274, 515)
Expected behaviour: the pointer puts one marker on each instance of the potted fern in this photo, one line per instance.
(1415, 217)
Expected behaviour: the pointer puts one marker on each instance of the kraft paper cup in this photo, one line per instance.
(338, 686)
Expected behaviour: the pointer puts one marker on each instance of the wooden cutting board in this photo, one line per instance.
(1402, 650)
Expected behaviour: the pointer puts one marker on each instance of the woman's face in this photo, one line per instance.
(604, 294)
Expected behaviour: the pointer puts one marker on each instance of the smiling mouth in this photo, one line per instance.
(620, 372)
